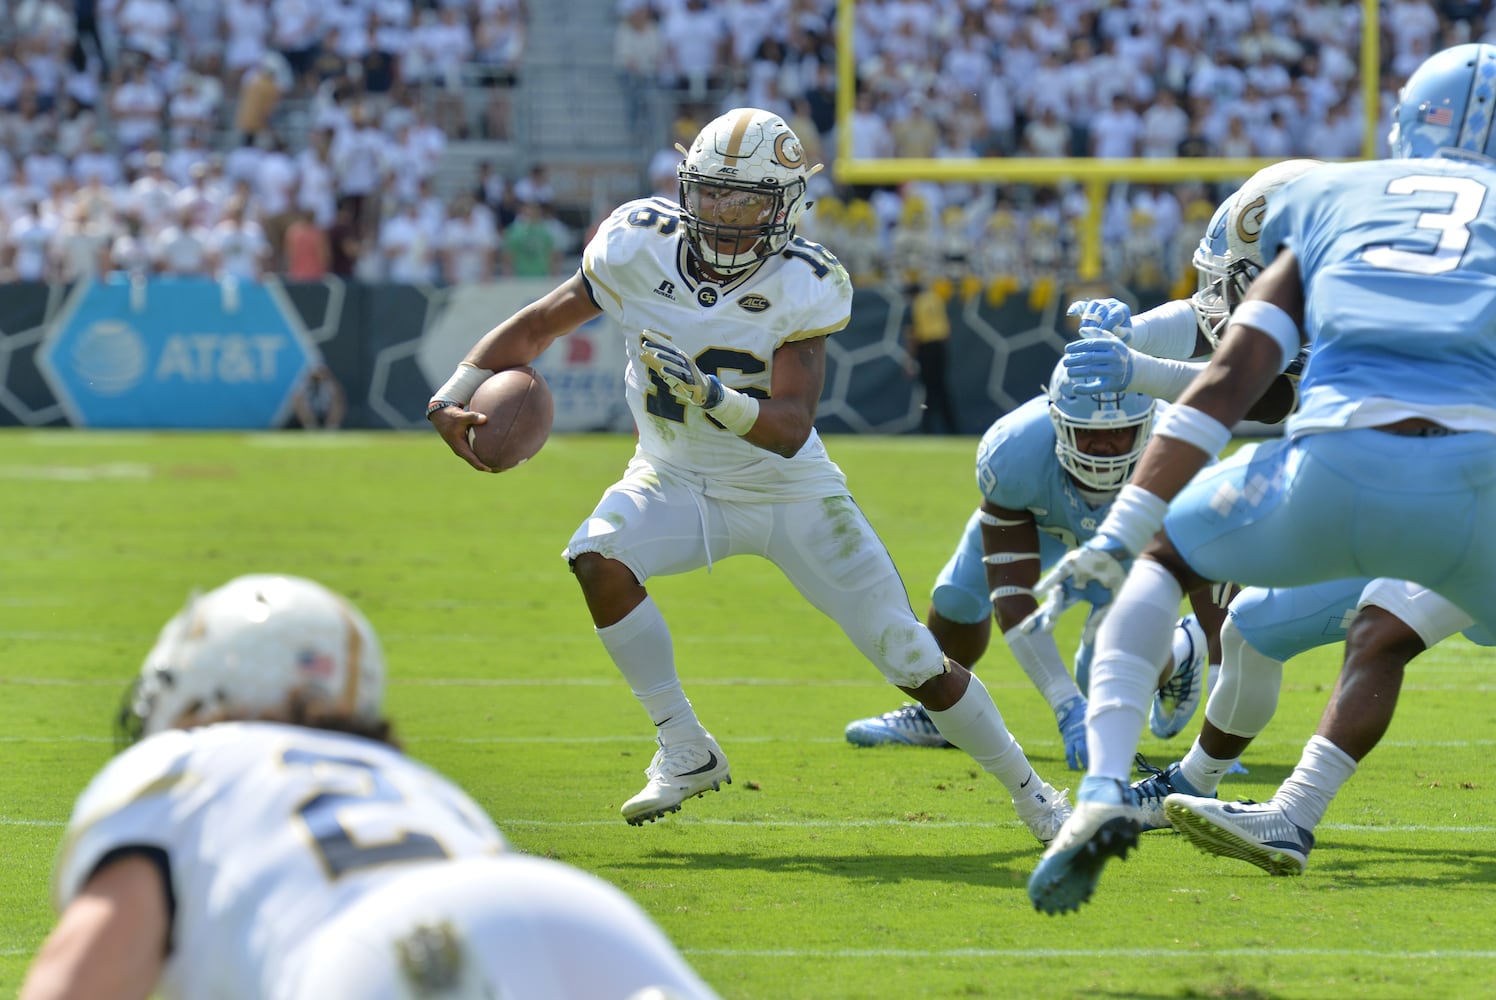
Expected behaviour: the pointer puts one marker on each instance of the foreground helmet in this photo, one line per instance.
(1072, 412)
(742, 189)
(1447, 104)
(246, 647)
(1228, 258)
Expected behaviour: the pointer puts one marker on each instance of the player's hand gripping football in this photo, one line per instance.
(455, 423)
(1092, 573)
(678, 371)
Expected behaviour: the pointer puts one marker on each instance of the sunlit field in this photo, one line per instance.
(823, 870)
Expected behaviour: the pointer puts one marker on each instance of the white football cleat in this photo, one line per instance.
(1043, 809)
(677, 772)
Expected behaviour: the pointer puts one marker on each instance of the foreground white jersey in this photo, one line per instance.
(635, 268)
(269, 831)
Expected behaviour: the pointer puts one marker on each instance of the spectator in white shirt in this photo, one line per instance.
(136, 106)
(237, 245)
(80, 248)
(29, 237)
(469, 243)
(247, 25)
(182, 249)
(1164, 126)
(152, 195)
(181, 160)
(1114, 132)
(408, 250)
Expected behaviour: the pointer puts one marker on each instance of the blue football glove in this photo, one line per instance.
(1071, 718)
(1112, 315)
(1099, 363)
(678, 371)
(1092, 573)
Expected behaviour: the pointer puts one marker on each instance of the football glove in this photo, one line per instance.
(1099, 363)
(1092, 573)
(1112, 315)
(1071, 718)
(679, 372)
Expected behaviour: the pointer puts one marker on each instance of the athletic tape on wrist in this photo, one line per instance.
(998, 593)
(1003, 558)
(1273, 321)
(463, 383)
(1195, 427)
(1135, 517)
(993, 521)
(738, 411)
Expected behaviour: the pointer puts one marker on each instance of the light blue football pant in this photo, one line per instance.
(1345, 506)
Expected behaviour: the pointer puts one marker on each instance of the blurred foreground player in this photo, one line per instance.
(266, 838)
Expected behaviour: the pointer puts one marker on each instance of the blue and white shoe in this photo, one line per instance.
(1103, 825)
(908, 726)
(1258, 833)
(1151, 791)
(1180, 695)
(1071, 718)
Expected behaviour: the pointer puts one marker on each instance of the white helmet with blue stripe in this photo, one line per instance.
(1074, 412)
(1447, 105)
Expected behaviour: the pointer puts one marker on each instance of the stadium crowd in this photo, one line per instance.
(241, 136)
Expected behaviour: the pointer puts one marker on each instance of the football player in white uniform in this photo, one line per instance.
(726, 312)
(267, 838)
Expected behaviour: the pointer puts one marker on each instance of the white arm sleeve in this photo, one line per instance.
(1166, 331)
(1039, 656)
(1162, 378)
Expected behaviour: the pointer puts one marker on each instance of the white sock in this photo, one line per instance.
(1322, 769)
(1130, 646)
(1203, 771)
(975, 725)
(641, 649)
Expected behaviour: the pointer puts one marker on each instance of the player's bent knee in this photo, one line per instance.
(1378, 632)
(1162, 551)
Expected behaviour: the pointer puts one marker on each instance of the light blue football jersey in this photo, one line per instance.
(1398, 259)
(1016, 468)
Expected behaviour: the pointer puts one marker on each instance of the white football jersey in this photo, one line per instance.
(636, 270)
(269, 832)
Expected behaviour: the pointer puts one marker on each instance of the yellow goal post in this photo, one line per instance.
(1095, 174)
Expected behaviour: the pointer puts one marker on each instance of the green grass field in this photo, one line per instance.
(822, 871)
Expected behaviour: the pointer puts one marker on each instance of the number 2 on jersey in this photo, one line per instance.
(324, 816)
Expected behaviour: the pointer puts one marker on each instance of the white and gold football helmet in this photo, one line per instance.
(1228, 258)
(742, 189)
(246, 647)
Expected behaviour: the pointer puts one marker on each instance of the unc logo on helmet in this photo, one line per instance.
(742, 189)
(1074, 413)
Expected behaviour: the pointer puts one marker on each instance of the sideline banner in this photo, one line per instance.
(175, 353)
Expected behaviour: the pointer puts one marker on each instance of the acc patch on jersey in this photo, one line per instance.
(754, 303)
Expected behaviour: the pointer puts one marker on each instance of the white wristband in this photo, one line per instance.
(1272, 320)
(1192, 426)
(463, 383)
(1135, 517)
(738, 411)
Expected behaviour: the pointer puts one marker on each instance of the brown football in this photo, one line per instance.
(520, 409)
